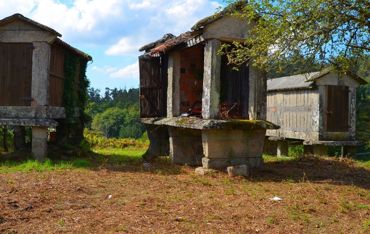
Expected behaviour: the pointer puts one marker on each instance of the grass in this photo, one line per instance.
(320, 195)
(48, 165)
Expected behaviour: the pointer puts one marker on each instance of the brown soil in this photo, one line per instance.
(319, 196)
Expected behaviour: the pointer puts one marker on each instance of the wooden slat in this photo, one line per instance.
(56, 74)
(337, 109)
(15, 74)
(153, 86)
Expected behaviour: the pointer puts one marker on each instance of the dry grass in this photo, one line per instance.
(119, 195)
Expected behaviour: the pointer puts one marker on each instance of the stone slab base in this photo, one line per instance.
(222, 163)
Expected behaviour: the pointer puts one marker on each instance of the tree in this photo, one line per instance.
(332, 32)
(109, 122)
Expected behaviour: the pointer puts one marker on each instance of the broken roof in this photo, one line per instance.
(20, 17)
(152, 45)
(173, 42)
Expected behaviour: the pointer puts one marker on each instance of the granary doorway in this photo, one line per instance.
(16, 74)
(191, 80)
(234, 98)
(337, 109)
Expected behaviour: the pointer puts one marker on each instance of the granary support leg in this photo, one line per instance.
(19, 138)
(270, 147)
(39, 142)
(159, 142)
(186, 146)
(320, 150)
(307, 150)
(282, 148)
(223, 148)
(349, 151)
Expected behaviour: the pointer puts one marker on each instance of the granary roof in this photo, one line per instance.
(304, 81)
(173, 42)
(22, 18)
(300, 81)
(18, 16)
(169, 41)
(210, 19)
(75, 50)
(152, 45)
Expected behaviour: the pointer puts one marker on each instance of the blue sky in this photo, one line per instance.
(111, 31)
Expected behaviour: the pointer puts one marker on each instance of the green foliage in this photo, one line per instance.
(363, 105)
(98, 141)
(329, 31)
(70, 98)
(48, 165)
(116, 114)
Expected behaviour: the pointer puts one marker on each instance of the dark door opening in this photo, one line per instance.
(234, 100)
(191, 81)
(337, 109)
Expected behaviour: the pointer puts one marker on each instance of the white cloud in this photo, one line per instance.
(126, 45)
(81, 17)
(144, 4)
(128, 72)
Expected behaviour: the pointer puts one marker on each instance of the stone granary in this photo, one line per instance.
(197, 108)
(42, 82)
(316, 109)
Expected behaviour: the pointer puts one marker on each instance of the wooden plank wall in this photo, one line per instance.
(295, 112)
(153, 86)
(56, 81)
(15, 74)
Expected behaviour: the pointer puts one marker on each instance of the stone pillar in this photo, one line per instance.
(19, 138)
(40, 74)
(173, 90)
(39, 142)
(186, 146)
(282, 148)
(159, 142)
(211, 80)
(223, 148)
(352, 113)
(270, 147)
(257, 94)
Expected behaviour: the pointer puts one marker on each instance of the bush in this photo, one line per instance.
(96, 139)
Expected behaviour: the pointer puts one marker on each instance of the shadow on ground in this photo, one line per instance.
(317, 170)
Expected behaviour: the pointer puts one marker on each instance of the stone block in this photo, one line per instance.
(203, 171)
(159, 142)
(223, 148)
(186, 146)
(39, 143)
(239, 170)
(222, 163)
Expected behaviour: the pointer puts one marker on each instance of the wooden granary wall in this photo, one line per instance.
(317, 109)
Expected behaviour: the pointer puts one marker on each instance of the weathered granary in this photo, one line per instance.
(42, 82)
(317, 109)
(196, 107)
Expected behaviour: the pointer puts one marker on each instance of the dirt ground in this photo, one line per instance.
(318, 196)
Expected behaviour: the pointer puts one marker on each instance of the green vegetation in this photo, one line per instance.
(116, 114)
(48, 165)
(332, 32)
